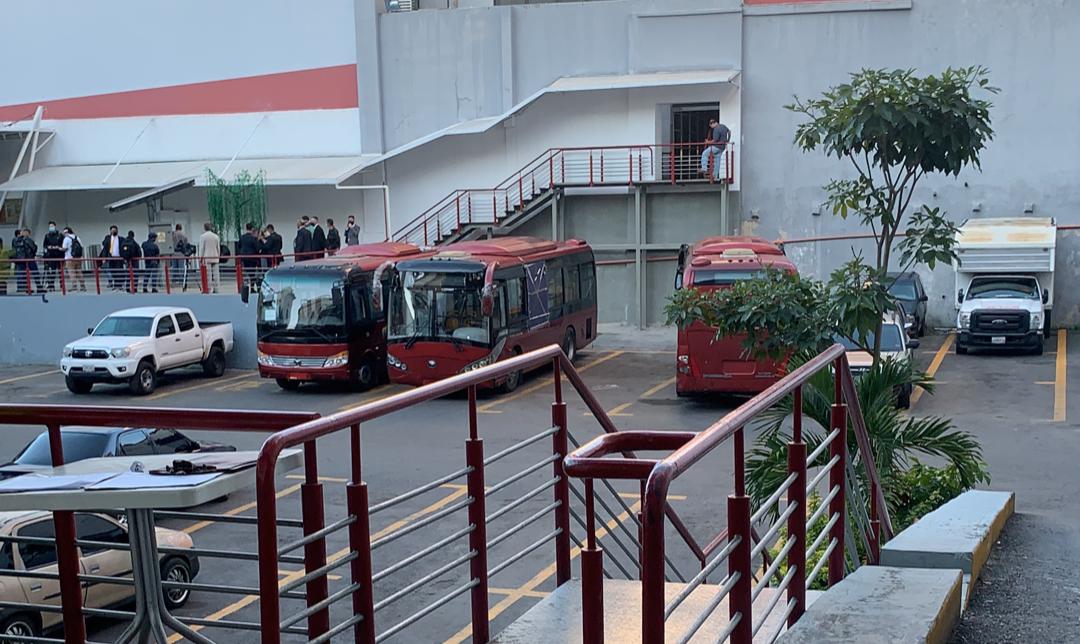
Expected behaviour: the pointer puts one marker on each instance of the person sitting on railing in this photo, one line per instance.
(27, 271)
(719, 136)
(249, 248)
(151, 251)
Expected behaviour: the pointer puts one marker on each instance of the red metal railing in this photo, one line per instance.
(596, 166)
(594, 461)
(166, 274)
(55, 417)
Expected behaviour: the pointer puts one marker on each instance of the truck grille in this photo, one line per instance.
(1000, 321)
(296, 361)
(90, 354)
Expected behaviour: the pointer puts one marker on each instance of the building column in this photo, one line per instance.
(369, 74)
(640, 239)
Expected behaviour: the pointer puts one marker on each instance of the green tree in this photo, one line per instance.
(894, 128)
(232, 204)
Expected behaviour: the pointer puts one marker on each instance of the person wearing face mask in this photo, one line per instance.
(73, 253)
(352, 232)
(54, 255)
(25, 264)
(110, 250)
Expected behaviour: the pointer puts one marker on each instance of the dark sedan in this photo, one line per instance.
(92, 442)
(908, 289)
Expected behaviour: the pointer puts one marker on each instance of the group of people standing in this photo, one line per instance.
(63, 252)
(312, 241)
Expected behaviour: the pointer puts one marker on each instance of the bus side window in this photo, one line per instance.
(572, 290)
(517, 320)
(498, 313)
(358, 309)
(555, 292)
(588, 285)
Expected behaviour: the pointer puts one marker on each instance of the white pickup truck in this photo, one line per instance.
(135, 346)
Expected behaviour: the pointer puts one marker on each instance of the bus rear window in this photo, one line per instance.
(723, 278)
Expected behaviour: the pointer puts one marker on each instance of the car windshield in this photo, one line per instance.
(723, 278)
(438, 305)
(124, 326)
(891, 339)
(301, 305)
(1003, 287)
(903, 290)
(77, 446)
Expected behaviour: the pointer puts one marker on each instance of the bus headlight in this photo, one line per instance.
(482, 362)
(265, 360)
(965, 320)
(395, 363)
(337, 360)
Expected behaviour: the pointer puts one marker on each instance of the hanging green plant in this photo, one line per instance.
(232, 204)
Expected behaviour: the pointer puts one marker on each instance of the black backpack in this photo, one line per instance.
(76, 248)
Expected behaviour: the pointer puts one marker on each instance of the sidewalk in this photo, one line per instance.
(1029, 590)
(616, 336)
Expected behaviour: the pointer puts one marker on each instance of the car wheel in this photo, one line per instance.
(21, 625)
(922, 328)
(178, 571)
(288, 385)
(78, 386)
(570, 345)
(145, 379)
(214, 365)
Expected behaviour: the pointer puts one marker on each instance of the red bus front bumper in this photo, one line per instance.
(302, 362)
(426, 362)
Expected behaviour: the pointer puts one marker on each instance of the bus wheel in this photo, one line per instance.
(512, 380)
(365, 376)
(569, 345)
(288, 385)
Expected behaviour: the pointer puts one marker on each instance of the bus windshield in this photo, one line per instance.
(427, 305)
(723, 278)
(294, 306)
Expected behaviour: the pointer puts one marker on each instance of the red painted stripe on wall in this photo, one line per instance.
(323, 88)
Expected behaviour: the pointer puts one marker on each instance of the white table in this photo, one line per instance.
(151, 615)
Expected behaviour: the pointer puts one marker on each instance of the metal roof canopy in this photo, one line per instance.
(151, 194)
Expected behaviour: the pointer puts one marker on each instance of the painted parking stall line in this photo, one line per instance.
(935, 364)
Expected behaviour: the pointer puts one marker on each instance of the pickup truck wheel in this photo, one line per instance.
(961, 350)
(903, 399)
(78, 386)
(214, 365)
(20, 625)
(1038, 350)
(288, 385)
(145, 379)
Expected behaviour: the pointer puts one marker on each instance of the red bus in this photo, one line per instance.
(473, 303)
(324, 319)
(704, 363)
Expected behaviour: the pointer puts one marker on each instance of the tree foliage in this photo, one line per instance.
(232, 204)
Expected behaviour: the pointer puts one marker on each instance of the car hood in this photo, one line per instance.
(107, 342)
(864, 360)
(1002, 304)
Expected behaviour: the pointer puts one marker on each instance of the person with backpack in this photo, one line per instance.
(73, 254)
(26, 269)
(151, 270)
(180, 254)
(54, 255)
(130, 253)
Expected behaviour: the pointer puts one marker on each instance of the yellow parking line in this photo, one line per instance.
(621, 409)
(1060, 385)
(486, 408)
(538, 594)
(217, 382)
(322, 479)
(247, 600)
(935, 364)
(192, 529)
(663, 385)
(530, 586)
(29, 376)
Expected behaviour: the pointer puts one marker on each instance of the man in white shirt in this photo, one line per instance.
(73, 253)
(210, 251)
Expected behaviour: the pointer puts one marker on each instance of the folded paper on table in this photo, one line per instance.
(39, 483)
(142, 480)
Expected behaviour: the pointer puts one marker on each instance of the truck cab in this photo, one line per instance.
(1002, 311)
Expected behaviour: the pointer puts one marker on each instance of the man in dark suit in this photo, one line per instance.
(249, 249)
(318, 238)
(302, 244)
(271, 246)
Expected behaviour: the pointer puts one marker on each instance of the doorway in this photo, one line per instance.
(689, 129)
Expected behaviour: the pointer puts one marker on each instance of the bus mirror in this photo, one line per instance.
(376, 296)
(245, 293)
(487, 301)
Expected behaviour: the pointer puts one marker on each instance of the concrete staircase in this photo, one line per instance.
(557, 618)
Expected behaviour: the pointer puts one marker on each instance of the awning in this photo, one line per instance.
(564, 85)
(284, 171)
(152, 193)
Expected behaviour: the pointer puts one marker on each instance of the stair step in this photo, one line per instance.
(883, 604)
(557, 618)
(959, 534)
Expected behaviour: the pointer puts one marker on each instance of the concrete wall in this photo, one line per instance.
(1029, 48)
(34, 331)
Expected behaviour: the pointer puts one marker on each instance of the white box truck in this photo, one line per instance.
(1004, 283)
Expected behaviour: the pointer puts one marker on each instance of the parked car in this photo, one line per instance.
(89, 526)
(135, 346)
(1002, 312)
(895, 344)
(908, 290)
(93, 442)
